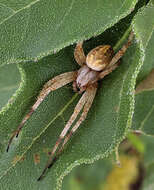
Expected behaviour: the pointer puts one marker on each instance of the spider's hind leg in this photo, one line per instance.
(51, 85)
(91, 95)
(85, 102)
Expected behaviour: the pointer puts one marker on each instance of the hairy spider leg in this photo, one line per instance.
(107, 71)
(80, 59)
(91, 95)
(79, 55)
(122, 51)
(75, 89)
(51, 85)
(77, 110)
(112, 65)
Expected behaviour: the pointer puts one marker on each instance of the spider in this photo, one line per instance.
(99, 62)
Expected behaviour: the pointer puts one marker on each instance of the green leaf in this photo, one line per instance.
(136, 142)
(148, 162)
(9, 84)
(88, 177)
(16, 5)
(104, 128)
(9, 8)
(144, 104)
(148, 154)
(148, 183)
(5, 12)
(42, 27)
(145, 31)
(143, 117)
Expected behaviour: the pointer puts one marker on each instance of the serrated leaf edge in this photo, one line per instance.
(63, 45)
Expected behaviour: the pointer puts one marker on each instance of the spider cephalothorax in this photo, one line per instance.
(96, 61)
(99, 62)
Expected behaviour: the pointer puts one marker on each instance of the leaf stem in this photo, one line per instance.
(122, 39)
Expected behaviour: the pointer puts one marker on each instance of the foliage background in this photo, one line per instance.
(37, 43)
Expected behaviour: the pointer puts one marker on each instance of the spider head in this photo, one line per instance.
(99, 57)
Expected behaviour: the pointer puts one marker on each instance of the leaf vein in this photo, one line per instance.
(150, 35)
(15, 12)
(8, 88)
(44, 129)
(8, 7)
(146, 118)
(65, 15)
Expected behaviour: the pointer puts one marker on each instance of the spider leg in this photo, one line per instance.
(86, 102)
(51, 85)
(91, 95)
(121, 52)
(114, 62)
(77, 110)
(75, 86)
(79, 54)
(107, 71)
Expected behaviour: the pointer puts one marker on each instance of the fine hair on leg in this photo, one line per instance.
(83, 116)
(51, 85)
(122, 51)
(115, 60)
(79, 55)
(107, 71)
(85, 102)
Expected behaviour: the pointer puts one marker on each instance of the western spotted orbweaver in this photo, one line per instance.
(99, 62)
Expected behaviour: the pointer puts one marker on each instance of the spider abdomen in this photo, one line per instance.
(99, 57)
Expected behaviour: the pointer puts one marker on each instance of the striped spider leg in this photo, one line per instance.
(86, 100)
(50, 86)
(84, 103)
(99, 62)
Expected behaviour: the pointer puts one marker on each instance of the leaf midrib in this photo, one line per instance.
(44, 129)
(15, 12)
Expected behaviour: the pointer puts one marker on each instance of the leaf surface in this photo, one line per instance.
(41, 27)
(96, 138)
(105, 127)
(145, 30)
(148, 162)
(9, 84)
(143, 118)
(88, 177)
(148, 183)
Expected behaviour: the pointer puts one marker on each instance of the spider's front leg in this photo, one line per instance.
(85, 102)
(115, 60)
(80, 58)
(79, 55)
(122, 51)
(51, 85)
